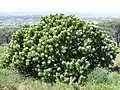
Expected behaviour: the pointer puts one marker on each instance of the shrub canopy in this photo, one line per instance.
(60, 47)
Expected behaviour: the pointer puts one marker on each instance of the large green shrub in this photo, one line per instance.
(60, 47)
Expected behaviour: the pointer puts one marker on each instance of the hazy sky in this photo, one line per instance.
(97, 6)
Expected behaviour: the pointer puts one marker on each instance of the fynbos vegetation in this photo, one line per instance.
(60, 47)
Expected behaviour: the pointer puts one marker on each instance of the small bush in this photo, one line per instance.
(60, 47)
(98, 75)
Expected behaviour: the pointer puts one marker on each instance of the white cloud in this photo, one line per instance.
(60, 5)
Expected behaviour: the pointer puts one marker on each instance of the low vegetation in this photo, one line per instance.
(10, 80)
(60, 47)
(51, 52)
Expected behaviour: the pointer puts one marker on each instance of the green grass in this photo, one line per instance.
(11, 80)
(2, 50)
(102, 87)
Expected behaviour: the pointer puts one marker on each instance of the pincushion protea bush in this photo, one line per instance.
(60, 47)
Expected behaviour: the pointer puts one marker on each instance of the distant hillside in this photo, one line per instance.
(15, 19)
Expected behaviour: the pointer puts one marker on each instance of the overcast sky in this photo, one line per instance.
(96, 6)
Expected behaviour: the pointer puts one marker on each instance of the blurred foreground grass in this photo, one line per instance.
(11, 81)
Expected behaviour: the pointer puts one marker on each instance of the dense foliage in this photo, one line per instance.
(60, 47)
